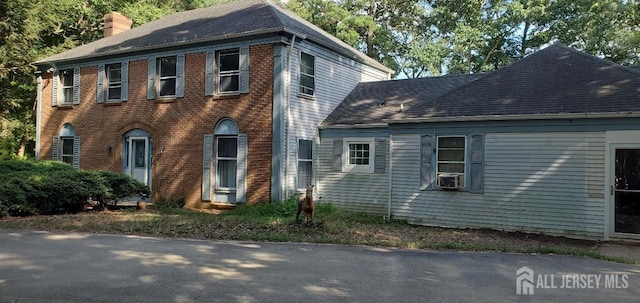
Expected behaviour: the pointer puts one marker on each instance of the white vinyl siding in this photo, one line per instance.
(355, 192)
(537, 182)
(334, 79)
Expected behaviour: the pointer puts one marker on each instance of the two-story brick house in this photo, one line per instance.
(219, 104)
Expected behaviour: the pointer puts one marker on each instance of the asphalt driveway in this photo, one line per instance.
(72, 267)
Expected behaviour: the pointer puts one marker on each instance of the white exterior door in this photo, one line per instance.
(138, 159)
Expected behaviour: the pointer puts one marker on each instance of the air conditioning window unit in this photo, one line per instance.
(449, 181)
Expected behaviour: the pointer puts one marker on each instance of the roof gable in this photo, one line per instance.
(555, 80)
(232, 20)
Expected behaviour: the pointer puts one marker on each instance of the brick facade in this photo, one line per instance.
(176, 125)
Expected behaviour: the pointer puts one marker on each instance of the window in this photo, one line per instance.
(226, 162)
(66, 150)
(114, 81)
(307, 74)
(229, 71)
(451, 156)
(167, 76)
(66, 83)
(359, 155)
(66, 146)
(305, 163)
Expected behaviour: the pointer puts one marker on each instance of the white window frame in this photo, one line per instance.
(229, 73)
(304, 160)
(110, 85)
(63, 88)
(218, 187)
(464, 162)
(62, 154)
(160, 77)
(300, 74)
(358, 168)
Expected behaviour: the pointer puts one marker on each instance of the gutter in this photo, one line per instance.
(288, 119)
(511, 117)
(348, 126)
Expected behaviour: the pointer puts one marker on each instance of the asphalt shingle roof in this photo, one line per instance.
(232, 20)
(371, 102)
(555, 80)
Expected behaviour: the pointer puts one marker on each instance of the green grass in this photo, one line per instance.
(276, 222)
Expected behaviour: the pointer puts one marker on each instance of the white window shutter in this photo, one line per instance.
(124, 93)
(76, 152)
(336, 165)
(426, 163)
(151, 79)
(209, 73)
(477, 164)
(76, 86)
(55, 148)
(380, 156)
(56, 83)
(207, 156)
(244, 70)
(180, 76)
(100, 88)
(241, 181)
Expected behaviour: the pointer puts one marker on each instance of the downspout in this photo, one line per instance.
(38, 112)
(288, 119)
(390, 176)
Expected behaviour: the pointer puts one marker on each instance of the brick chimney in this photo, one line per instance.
(115, 23)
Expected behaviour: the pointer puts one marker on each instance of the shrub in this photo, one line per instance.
(166, 203)
(31, 187)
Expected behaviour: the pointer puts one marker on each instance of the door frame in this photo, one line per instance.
(614, 140)
(131, 160)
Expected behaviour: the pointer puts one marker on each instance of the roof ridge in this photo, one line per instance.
(598, 59)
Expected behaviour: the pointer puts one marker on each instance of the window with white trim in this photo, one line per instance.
(167, 76)
(450, 156)
(66, 149)
(305, 163)
(229, 71)
(66, 86)
(359, 155)
(226, 162)
(307, 74)
(114, 81)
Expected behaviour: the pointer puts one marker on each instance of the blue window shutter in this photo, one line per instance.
(55, 148)
(477, 163)
(151, 79)
(100, 88)
(56, 83)
(76, 152)
(207, 156)
(336, 164)
(208, 78)
(380, 156)
(124, 94)
(180, 76)
(426, 163)
(241, 176)
(244, 70)
(76, 86)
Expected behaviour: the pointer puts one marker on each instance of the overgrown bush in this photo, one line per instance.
(29, 187)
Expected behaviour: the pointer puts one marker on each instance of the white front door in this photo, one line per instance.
(138, 159)
(625, 188)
